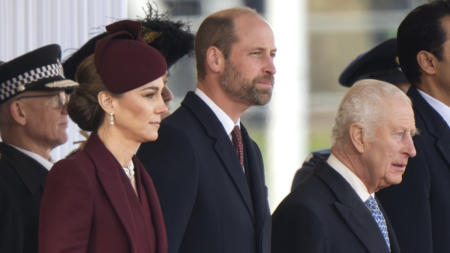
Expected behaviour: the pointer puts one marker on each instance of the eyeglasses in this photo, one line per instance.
(59, 100)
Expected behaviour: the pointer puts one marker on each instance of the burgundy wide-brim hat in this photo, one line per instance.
(124, 61)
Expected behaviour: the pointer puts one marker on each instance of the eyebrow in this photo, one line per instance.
(262, 48)
(151, 88)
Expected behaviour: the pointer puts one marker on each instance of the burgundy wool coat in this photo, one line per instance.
(88, 206)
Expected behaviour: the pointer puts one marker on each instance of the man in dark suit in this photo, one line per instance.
(419, 207)
(334, 209)
(33, 121)
(379, 63)
(207, 171)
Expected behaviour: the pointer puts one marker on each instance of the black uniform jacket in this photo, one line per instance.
(324, 214)
(419, 207)
(22, 182)
(209, 204)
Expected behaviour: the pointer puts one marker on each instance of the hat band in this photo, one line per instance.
(9, 87)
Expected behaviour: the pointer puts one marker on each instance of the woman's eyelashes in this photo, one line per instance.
(150, 95)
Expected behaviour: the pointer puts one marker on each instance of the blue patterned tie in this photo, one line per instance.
(379, 218)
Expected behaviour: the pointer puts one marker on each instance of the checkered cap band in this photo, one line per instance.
(9, 87)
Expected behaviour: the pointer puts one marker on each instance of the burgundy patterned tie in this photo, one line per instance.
(238, 145)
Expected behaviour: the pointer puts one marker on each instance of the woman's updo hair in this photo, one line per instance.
(83, 106)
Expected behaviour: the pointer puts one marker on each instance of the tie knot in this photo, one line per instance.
(371, 203)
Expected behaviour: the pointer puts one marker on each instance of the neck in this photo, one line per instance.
(351, 160)
(435, 89)
(19, 138)
(231, 106)
(118, 144)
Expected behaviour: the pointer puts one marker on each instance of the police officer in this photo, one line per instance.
(33, 121)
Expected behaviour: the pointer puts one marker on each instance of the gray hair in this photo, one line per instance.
(366, 103)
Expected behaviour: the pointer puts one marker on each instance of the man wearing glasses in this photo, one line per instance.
(33, 121)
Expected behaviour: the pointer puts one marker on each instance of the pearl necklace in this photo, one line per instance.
(130, 171)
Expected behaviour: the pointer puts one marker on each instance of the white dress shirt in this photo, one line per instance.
(46, 163)
(350, 177)
(226, 121)
(440, 107)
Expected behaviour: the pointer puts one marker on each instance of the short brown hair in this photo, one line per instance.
(217, 30)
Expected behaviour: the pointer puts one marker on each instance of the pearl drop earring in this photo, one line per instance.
(111, 118)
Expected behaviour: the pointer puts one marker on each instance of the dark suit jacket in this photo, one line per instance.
(419, 207)
(85, 206)
(22, 182)
(209, 204)
(324, 214)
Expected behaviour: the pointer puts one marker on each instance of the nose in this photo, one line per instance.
(167, 95)
(410, 150)
(64, 110)
(270, 66)
(162, 108)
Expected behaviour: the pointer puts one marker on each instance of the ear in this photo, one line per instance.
(357, 137)
(215, 60)
(427, 62)
(106, 101)
(18, 112)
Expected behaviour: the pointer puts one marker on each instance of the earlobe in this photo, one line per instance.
(427, 62)
(18, 113)
(214, 59)
(357, 137)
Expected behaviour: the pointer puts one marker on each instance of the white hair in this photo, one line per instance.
(367, 103)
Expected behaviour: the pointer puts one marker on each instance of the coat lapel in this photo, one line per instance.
(433, 121)
(352, 210)
(257, 181)
(395, 248)
(223, 146)
(108, 173)
(153, 202)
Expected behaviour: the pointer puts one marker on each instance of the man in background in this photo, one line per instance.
(33, 121)
(419, 207)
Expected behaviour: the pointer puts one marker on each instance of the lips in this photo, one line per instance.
(399, 165)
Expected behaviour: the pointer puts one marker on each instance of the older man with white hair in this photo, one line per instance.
(335, 209)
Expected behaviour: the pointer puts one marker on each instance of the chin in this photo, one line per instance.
(150, 137)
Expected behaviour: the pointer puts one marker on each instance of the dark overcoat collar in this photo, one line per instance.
(354, 212)
(108, 169)
(32, 173)
(223, 146)
(434, 123)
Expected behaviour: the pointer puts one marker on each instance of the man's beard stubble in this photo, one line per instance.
(238, 87)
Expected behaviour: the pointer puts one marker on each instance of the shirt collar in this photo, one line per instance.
(354, 181)
(46, 163)
(226, 121)
(440, 107)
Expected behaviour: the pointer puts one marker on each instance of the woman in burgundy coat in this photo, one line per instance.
(102, 199)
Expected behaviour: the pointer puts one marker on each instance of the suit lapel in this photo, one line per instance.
(223, 145)
(433, 121)
(256, 185)
(109, 177)
(352, 210)
(392, 238)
